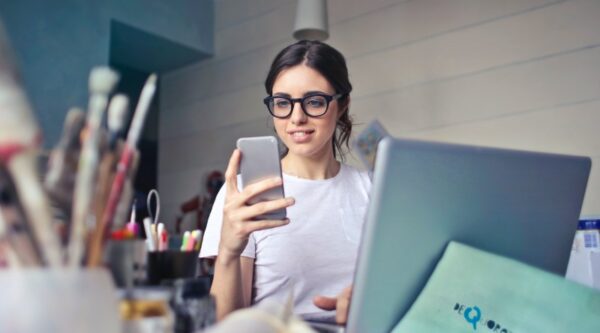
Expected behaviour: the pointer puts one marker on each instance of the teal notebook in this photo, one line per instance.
(475, 291)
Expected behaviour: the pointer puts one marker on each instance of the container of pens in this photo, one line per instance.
(165, 263)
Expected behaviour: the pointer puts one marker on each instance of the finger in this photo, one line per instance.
(247, 213)
(264, 224)
(347, 292)
(257, 188)
(325, 303)
(231, 172)
(341, 313)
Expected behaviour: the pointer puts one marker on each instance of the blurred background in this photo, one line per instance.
(519, 74)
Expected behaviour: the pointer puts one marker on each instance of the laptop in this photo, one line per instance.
(522, 205)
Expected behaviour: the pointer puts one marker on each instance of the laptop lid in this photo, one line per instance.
(518, 204)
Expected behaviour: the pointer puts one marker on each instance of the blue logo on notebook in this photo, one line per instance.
(473, 319)
(473, 315)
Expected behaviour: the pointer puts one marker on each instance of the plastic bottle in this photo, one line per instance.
(584, 264)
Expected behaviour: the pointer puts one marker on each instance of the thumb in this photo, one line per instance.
(325, 303)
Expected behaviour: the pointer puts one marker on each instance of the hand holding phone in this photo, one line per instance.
(243, 212)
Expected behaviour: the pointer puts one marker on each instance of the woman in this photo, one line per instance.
(314, 251)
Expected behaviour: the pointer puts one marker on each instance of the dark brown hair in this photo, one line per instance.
(330, 63)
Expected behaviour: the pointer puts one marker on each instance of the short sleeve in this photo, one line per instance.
(212, 234)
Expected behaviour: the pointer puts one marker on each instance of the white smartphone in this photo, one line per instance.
(260, 160)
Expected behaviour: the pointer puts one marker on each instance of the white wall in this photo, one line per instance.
(515, 73)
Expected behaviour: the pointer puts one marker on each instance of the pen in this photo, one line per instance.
(132, 225)
(198, 240)
(184, 241)
(148, 229)
(162, 237)
(191, 242)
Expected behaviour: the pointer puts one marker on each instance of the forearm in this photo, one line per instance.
(232, 282)
(227, 285)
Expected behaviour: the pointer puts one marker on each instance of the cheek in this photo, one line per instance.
(331, 122)
(279, 126)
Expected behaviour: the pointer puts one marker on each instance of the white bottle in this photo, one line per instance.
(583, 264)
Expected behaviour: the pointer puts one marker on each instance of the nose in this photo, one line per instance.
(298, 116)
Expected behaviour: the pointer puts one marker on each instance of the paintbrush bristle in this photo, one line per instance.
(152, 79)
(74, 123)
(74, 116)
(117, 110)
(102, 80)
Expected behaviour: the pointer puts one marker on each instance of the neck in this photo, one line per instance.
(316, 168)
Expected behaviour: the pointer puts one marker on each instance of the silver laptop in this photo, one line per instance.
(521, 205)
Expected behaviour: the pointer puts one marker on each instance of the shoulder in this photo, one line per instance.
(356, 176)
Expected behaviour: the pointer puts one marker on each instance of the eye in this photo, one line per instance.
(315, 102)
(281, 103)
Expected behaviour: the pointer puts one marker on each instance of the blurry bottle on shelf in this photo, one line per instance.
(584, 263)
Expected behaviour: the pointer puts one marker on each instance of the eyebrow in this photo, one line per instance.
(308, 93)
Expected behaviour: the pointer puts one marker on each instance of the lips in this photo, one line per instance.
(301, 136)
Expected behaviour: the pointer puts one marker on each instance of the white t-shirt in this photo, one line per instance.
(316, 252)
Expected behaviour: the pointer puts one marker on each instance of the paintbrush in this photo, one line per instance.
(125, 161)
(62, 165)
(19, 141)
(101, 82)
(117, 110)
(127, 194)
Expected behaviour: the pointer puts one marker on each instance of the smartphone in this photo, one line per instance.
(260, 160)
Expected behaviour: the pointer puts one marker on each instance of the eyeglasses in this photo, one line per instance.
(314, 105)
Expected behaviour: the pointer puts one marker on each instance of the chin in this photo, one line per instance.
(300, 152)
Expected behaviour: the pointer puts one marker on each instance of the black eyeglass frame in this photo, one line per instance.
(328, 98)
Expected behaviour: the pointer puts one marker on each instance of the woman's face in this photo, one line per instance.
(305, 136)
